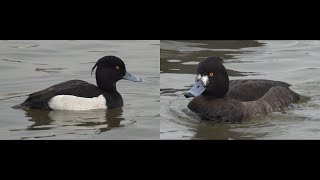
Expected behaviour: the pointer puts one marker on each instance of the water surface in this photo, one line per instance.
(29, 66)
(295, 62)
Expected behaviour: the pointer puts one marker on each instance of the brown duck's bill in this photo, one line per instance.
(196, 90)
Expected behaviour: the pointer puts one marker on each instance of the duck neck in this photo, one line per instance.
(104, 82)
(107, 83)
(107, 87)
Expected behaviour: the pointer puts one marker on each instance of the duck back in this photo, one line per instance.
(252, 90)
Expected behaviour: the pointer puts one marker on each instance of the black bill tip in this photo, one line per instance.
(188, 94)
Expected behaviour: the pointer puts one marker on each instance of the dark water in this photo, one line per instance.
(295, 62)
(29, 66)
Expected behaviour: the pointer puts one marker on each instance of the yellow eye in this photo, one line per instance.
(117, 67)
(211, 74)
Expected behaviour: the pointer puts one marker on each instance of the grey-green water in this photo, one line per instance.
(29, 66)
(295, 62)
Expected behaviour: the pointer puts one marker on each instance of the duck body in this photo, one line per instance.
(73, 95)
(245, 100)
(240, 99)
(81, 95)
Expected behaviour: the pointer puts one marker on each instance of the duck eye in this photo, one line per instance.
(117, 67)
(211, 74)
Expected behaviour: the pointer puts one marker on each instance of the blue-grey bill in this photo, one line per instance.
(196, 90)
(130, 77)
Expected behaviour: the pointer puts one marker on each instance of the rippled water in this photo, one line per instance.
(29, 66)
(295, 62)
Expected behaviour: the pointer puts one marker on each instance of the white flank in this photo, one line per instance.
(74, 103)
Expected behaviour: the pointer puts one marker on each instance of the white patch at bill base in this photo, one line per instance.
(204, 79)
